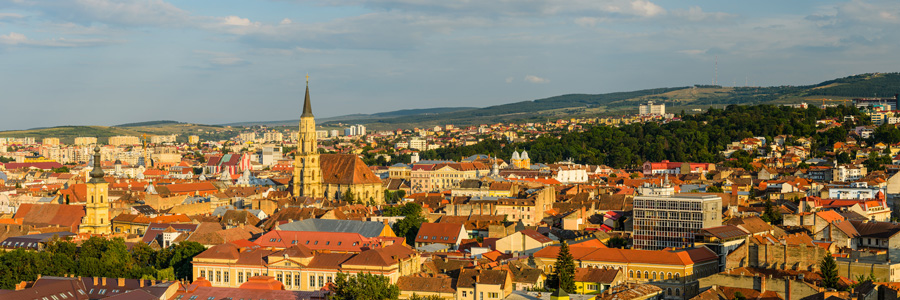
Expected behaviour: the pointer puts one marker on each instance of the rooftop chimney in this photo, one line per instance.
(103, 281)
(96, 281)
(121, 282)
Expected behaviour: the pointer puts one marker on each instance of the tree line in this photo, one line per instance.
(98, 257)
(696, 138)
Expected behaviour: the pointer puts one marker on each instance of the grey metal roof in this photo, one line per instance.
(364, 228)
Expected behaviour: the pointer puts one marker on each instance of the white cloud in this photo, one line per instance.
(236, 21)
(509, 79)
(221, 59)
(286, 21)
(646, 8)
(535, 79)
(696, 14)
(114, 12)
(18, 39)
(10, 16)
(13, 38)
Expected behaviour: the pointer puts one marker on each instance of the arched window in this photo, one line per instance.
(639, 274)
(677, 292)
(669, 291)
(631, 274)
(654, 275)
(646, 275)
(677, 276)
(669, 275)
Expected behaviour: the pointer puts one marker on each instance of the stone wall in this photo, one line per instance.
(855, 268)
(788, 289)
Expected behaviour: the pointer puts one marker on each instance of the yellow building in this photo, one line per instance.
(332, 176)
(96, 218)
(484, 284)
(520, 161)
(676, 272)
(298, 267)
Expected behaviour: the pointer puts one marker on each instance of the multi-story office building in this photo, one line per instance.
(124, 140)
(664, 221)
(81, 141)
(652, 109)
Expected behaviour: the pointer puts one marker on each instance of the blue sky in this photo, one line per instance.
(106, 62)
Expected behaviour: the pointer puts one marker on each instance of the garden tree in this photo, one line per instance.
(363, 286)
(739, 296)
(828, 270)
(771, 214)
(563, 275)
(617, 242)
(714, 189)
(97, 257)
(62, 169)
(412, 219)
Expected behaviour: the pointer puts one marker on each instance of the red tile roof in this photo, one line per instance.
(346, 169)
(439, 233)
(662, 257)
(43, 215)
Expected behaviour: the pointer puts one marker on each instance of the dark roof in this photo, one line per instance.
(596, 275)
(154, 229)
(31, 241)
(70, 287)
(467, 277)
(364, 228)
(725, 232)
(426, 284)
(872, 229)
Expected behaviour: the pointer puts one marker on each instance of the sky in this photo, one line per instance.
(108, 62)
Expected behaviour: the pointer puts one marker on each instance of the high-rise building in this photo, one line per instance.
(82, 141)
(96, 217)
(664, 221)
(193, 139)
(652, 109)
(124, 140)
(50, 142)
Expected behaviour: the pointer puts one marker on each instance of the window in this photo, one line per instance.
(646, 275)
(297, 280)
(279, 277)
(493, 295)
(272, 240)
(312, 280)
(218, 276)
(226, 276)
(240, 277)
(203, 273)
(294, 242)
(321, 280)
(631, 274)
(329, 279)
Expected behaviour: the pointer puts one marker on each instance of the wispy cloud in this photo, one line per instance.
(18, 39)
(535, 79)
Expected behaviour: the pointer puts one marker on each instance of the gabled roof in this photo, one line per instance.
(440, 233)
(876, 229)
(334, 241)
(662, 257)
(469, 277)
(43, 215)
(346, 169)
(443, 284)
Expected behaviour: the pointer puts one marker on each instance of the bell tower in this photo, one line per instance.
(307, 171)
(96, 217)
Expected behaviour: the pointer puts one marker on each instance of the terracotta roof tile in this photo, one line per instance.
(346, 169)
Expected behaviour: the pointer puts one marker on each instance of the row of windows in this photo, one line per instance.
(652, 275)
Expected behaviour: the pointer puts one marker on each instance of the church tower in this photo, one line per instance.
(96, 217)
(307, 170)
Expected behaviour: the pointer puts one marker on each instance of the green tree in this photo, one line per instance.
(739, 296)
(412, 219)
(714, 189)
(563, 274)
(429, 297)
(828, 270)
(363, 286)
(62, 169)
(771, 213)
(182, 254)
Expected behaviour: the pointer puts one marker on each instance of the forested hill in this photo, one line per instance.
(698, 138)
(622, 103)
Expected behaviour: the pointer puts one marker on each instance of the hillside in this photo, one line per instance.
(357, 118)
(677, 99)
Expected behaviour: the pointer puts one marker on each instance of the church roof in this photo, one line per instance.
(346, 169)
(307, 107)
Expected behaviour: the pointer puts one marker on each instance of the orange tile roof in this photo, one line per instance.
(663, 257)
(346, 169)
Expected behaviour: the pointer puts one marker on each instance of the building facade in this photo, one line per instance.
(96, 218)
(673, 221)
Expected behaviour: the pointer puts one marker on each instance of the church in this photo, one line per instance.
(330, 176)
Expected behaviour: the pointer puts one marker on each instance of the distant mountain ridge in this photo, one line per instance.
(677, 99)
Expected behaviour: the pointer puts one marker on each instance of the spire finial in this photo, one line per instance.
(307, 78)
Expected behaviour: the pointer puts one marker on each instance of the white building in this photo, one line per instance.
(652, 109)
(418, 144)
(355, 130)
